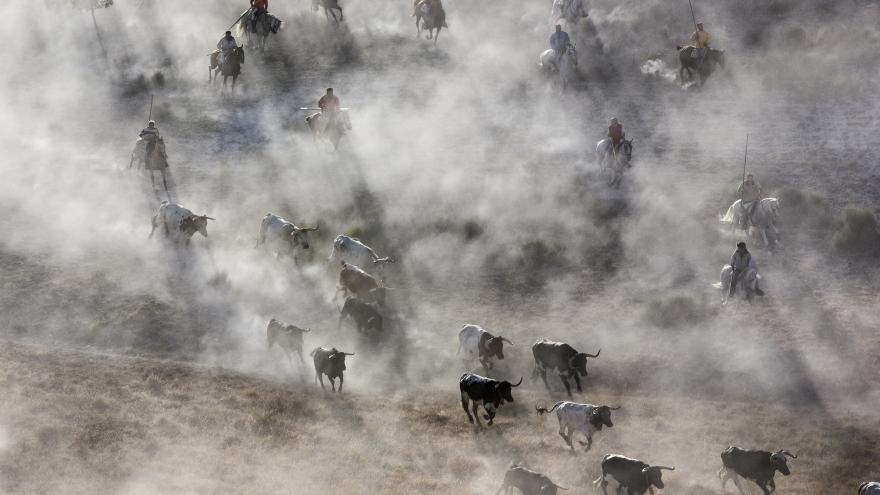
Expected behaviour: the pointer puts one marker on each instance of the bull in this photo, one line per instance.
(366, 317)
(330, 362)
(563, 358)
(353, 250)
(353, 280)
(480, 344)
(585, 418)
(288, 337)
(528, 482)
(635, 476)
(178, 222)
(491, 393)
(283, 234)
(757, 465)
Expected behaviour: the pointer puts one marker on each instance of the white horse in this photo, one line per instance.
(571, 11)
(566, 67)
(619, 159)
(749, 282)
(763, 220)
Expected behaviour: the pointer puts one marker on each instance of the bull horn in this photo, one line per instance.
(594, 355)
(665, 467)
(209, 218)
(614, 408)
(785, 452)
(517, 383)
(560, 487)
(309, 229)
(505, 339)
(348, 353)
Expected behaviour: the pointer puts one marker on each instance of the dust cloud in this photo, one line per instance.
(128, 358)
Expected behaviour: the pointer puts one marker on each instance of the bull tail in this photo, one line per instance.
(544, 410)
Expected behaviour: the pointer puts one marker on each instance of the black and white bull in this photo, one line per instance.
(757, 465)
(632, 475)
(330, 362)
(366, 317)
(491, 393)
(563, 358)
(179, 223)
(481, 345)
(528, 482)
(288, 337)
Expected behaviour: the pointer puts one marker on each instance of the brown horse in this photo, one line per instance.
(690, 64)
(429, 16)
(230, 67)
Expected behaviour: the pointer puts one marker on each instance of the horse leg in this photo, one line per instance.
(418, 28)
(341, 17)
(437, 35)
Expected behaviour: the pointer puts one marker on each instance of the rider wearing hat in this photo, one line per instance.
(750, 193)
(258, 8)
(329, 105)
(150, 134)
(701, 39)
(559, 42)
(742, 264)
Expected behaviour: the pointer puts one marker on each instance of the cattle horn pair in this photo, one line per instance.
(505, 339)
(785, 452)
(517, 383)
(666, 467)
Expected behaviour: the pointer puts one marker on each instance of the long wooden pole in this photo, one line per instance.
(150, 116)
(694, 17)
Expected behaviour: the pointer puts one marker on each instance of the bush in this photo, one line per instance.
(857, 234)
(804, 208)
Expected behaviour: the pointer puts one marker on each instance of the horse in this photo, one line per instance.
(151, 158)
(571, 11)
(566, 68)
(333, 131)
(265, 25)
(432, 17)
(749, 282)
(329, 6)
(689, 63)
(763, 220)
(230, 67)
(619, 159)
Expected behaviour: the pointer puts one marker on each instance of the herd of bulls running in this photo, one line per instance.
(365, 297)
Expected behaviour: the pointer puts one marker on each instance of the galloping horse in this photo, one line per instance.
(258, 32)
(432, 17)
(763, 220)
(618, 159)
(690, 64)
(329, 6)
(566, 67)
(748, 283)
(150, 156)
(331, 131)
(230, 67)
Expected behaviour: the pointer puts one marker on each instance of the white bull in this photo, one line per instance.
(585, 418)
(283, 235)
(179, 223)
(763, 220)
(354, 252)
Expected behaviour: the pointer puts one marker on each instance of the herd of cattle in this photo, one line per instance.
(365, 297)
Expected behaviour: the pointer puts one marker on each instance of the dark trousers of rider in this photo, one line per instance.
(734, 279)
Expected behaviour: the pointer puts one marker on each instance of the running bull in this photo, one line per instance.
(635, 476)
(585, 418)
(757, 465)
(491, 393)
(330, 362)
(561, 357)
(528, 482)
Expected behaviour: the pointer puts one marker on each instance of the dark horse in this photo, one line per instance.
(230, 67)
(329, 6)
(689, 63)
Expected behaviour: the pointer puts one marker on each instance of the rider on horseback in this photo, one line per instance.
(559, 42)
(258, 8)
(226, 44)
(150, 134)
(617, 133)
(742, 263)
(750, 193)
(329, 105)
(701, 40)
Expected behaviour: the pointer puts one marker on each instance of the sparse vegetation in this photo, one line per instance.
(858, 234)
